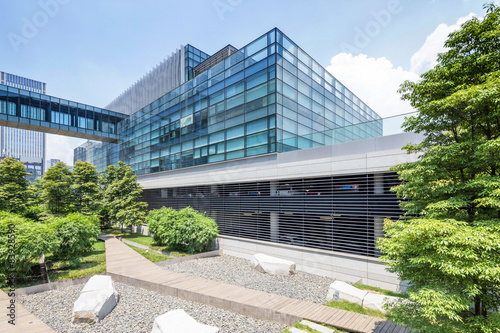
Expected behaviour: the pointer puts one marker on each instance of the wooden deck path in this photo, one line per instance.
(25, 321)
(128, 266)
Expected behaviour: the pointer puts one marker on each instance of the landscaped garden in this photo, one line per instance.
(56, 222)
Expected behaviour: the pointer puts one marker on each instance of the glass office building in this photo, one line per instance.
(269, 96)
(25, 145)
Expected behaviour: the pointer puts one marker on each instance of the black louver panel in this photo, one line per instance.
(342, 213)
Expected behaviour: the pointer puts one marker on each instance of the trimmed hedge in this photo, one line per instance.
(186, 230)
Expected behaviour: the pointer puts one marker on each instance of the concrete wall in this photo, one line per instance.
(141, 229)
(340, 266)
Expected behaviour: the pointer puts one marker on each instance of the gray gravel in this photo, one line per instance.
(237, 271)
(135, 312)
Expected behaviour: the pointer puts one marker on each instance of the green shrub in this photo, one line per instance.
(37, 213)
(186, 230)
(76, 234)
(159, 221)
(31, 240)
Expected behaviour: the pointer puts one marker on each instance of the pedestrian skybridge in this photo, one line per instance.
(37, 112)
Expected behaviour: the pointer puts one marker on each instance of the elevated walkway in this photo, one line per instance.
(42, 113)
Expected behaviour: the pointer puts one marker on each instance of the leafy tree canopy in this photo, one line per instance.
(447, 246)
(55, 189)
(120, 196)
(85, 188)
(14, 185)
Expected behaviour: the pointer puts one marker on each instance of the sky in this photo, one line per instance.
(90, 51)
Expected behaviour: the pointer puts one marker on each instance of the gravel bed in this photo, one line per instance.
(238, 272)
(135, 312)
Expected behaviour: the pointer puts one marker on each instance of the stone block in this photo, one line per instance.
(272, 265)
(376, 301)
(340, 290)
(178, 321)
(96, 300)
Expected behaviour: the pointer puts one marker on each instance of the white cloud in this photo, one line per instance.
(61, 147)
(376, 81)
(425, 58)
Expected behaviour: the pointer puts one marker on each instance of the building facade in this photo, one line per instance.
(52, 162)
(100, 154)
(25, 145)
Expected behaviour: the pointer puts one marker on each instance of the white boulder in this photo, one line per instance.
(97, 299)
(340, 290)
(267, 264)
(178, 321)
(376, 301)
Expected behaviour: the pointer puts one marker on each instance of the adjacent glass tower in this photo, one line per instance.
(27, 146)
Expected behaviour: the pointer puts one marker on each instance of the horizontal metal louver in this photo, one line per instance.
(338, 213)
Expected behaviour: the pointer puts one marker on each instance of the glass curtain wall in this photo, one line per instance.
(270, 96)
(224, 113)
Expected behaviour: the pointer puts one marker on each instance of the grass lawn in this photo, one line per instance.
(306, 328)
(142, 239)
(379, 290)
(91, 263)
(353, 307)
(150, 255)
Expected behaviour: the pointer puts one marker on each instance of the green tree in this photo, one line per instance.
(85, 188)
(56, 193)
(120, 196)
(448, 244)
(14, 185)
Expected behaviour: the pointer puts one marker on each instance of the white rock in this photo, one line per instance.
(178, 321)
(96, 300)
(340, 290)
(272, 265)
(376, 301)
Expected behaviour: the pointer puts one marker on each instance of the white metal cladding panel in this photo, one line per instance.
(167, 75)
(375, 155)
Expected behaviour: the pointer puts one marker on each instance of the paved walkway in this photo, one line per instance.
(127, 266)
(25, 321)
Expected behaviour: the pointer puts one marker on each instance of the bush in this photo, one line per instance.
(76, 234)
(37, 213)
(159, 221)
(186, 230)
(31, 240)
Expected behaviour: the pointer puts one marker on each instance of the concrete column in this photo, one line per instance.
(378, 184)
(213, 189)
(274, 188)
(275, 219)
(378, 224)
(275, 227)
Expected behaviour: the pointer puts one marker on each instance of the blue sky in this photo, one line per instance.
(90, 51)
